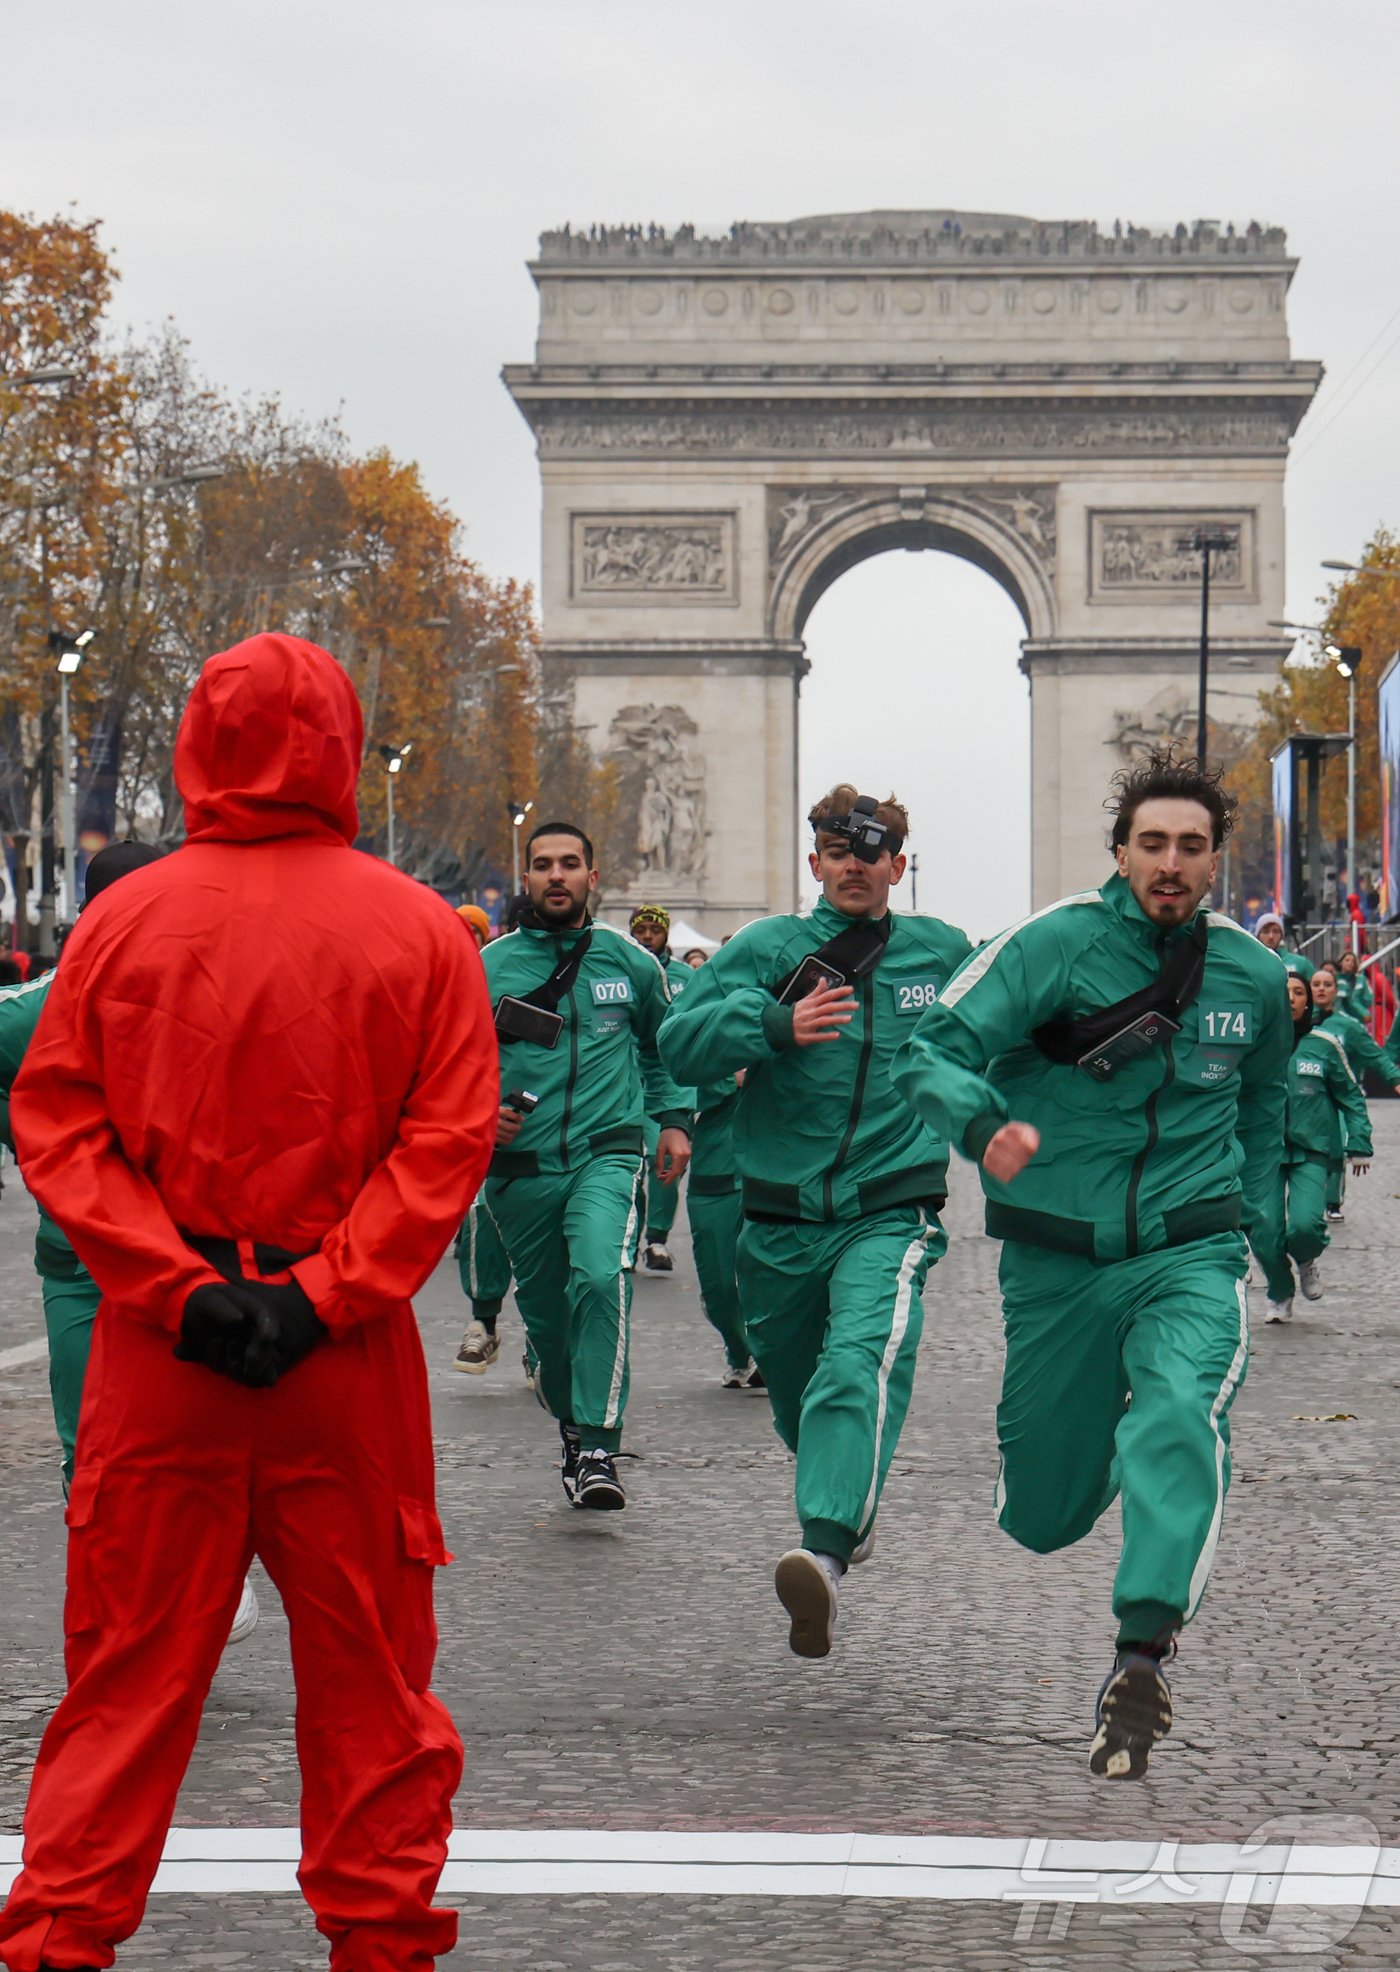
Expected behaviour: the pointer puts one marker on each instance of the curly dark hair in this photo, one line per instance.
(1167, 775)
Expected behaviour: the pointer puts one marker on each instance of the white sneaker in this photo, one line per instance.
(1310, 1281)
(807, 1591)
(245, 1617)
(479, 1350)
(863, 1550)
(1280, 1311)
(750, 1377)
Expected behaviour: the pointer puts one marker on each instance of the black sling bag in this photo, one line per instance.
(842, 960)
(1102, 1042)
(534, 1016)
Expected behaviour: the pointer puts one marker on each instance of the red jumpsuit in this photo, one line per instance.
(270, 1037)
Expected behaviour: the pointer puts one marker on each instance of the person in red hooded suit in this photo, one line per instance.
(259, 1101)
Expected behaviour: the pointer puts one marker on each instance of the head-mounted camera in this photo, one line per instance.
(868, 837)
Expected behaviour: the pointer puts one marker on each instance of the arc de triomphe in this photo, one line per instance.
(726, 425)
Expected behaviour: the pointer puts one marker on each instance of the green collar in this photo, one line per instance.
(831, 920)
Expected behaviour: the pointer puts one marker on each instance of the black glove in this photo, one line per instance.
(217, 1327)
(286, 1328)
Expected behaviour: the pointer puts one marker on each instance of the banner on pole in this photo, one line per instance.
(1285, 797)
(1389, 709)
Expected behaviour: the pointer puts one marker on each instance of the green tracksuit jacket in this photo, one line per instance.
(564, 1194)
(1324, 1100)
(604, 1075)
(1183, 1143)
(816, 1135)
(1295, 962)
(1354, 997)
(661, 1202)
(840, 1188)
(70, 1293)
(1122, 1267)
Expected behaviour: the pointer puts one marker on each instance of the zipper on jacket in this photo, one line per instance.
(867, 1048)
(569, 1085)
(1140, 1161)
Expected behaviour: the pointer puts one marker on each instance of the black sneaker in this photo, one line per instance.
(1336, 1216)
(1134, 1711)
(597, 1484)
(658, 1258)
(568, 1464)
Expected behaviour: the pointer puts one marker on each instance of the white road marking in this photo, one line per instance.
(26, 1352)
(948, 1868)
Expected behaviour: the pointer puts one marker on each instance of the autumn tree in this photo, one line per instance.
(1311, 696)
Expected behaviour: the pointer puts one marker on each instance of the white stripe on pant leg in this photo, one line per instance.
(472, 1282)
(625, 1259)
(1200, 1575)
(904, 1294)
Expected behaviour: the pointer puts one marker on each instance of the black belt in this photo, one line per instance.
(223, 1255)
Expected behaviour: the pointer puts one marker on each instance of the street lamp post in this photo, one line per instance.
(1205, 542)
(70, 652)
(393, 758)
(517, 822)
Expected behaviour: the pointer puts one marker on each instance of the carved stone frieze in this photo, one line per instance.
(934, 431)
(1135, 555)
(794, 512)
(1171, 717)
(641, 556)
(661, 780)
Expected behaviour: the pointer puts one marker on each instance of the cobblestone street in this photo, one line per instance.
(631, 1672)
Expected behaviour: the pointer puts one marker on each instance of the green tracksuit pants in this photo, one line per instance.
(482, 1262)
(572, 1241)
(70, 1309)
(1171, 1329)
(715, 1219)
(1303, 1233)
(1336, 1183)
(657, 1203)
(834, 1315)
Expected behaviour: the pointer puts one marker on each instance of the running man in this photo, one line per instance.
(578, 1007)
(1115, 1065)
(841, 1184)
(650, 925)
(1362, 1052)
(1326, 1110)
(1269, 930)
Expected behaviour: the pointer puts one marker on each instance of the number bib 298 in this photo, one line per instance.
(914, 996)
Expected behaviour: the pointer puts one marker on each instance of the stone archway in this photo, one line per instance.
(726, 425)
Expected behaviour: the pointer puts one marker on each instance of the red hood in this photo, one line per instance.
(270, 744)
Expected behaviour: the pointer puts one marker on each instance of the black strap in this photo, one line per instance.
(848, 956)
(548, 995)
(1068, 1041)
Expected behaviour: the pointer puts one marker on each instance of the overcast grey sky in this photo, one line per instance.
(335, 200)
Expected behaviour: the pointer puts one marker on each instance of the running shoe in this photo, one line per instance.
(480, 1348)
(808, 1593)
(1336, 1216)
(863, 1550)
(1309, 1281)
(1134, 1711)
(747, 1376)
(598, 1485)
(1280, 1311)
(658, 1258)
(245, 1617)
(568, 1463)
(530, 1365)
